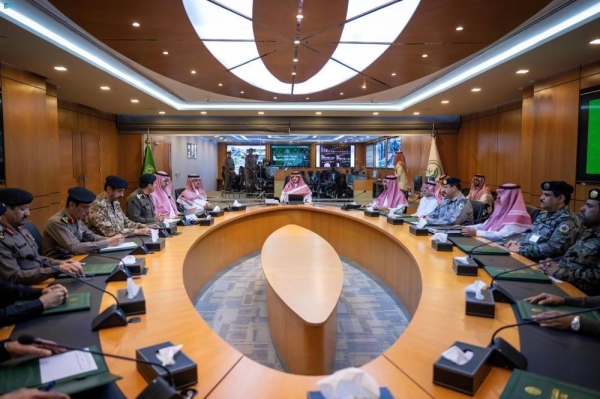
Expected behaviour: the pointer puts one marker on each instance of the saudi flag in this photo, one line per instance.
(434, 166)
(148, 166)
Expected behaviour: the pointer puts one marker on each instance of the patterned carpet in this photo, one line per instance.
(370, 317)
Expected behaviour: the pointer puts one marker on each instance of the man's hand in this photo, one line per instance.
(548, 267)
(53, 298)
(159, 218)
(144, 231)
(546, 299)
(57, 287)
(512, 246)
(469, 231)
(561, 323)
(208, 205)
(71, 266)
(116, 240)
(25, 393)
(15, 349)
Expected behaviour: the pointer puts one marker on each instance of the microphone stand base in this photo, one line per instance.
(505, 355)
(119, 275)
(111, 317)
(159, 389)
(500, 295)
(140, 250)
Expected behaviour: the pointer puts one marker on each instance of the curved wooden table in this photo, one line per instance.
(421, 277)
(304, 279)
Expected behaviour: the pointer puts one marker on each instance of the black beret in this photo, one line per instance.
(451, 181)
(2, 210)
(561, 187)
(116, 182)
(15, 196)
(147, 178)
(478, 175)
(594, 195)
(82, 194)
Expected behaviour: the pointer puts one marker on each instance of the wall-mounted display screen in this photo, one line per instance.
(290, 155)
(588, 152)
(338, 155)
(238, 153)
(370, 155)
(380, 148)
(393, 144)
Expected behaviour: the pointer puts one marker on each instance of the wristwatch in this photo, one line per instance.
(575, 325)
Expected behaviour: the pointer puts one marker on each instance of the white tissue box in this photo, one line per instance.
(465, 269)
(234, 208)
(156, 246)
(484, 308)
(215, 214)
(442, 246)
(184, 371)
(372, 213)
(468, 377)
(414, 230)
(137, 305)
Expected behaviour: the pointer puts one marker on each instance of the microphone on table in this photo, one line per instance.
(112, 316)
(155, 389)
(347, 206)
(122, 273)
(229, 207)
(141, 249)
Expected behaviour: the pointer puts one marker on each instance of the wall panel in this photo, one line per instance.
(508, 150)
(487, 149)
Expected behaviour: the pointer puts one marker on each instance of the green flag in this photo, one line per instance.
(148, 165)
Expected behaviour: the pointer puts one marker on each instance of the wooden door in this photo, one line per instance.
(161, 152)
(68, 175)
(79, 161)
(90, 161)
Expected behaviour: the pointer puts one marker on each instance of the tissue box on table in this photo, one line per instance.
(184, 371)
(464, 378)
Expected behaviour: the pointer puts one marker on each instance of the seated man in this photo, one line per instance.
(66, 234)
(296, 185)
(584, 325)
(510, 216)
(17, 244)
(581, 265)
(36, 300)
(140, 204)
(482, 193)
(194, 196)
(455, 209)
(163, 196)
(428, 202)
(555, 229)
(391, 199)
(106, 216)
(439, 188)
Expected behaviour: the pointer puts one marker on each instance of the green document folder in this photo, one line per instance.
(526, 310)
(100, 269)
(27, 374)
(74, 303)
(466, 244)
(529, 275)
(526, 385)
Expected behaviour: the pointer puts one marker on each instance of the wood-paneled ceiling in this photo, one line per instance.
(165, 26)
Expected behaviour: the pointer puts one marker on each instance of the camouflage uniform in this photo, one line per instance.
(15, 245)
(451, 212)
(556, 232)
(140, 207)
(581, 265)
(107, 219)
(63, 235)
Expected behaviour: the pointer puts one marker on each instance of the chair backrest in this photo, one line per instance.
(35, 233)
(478, 208)
(533, 212)
(178, 192)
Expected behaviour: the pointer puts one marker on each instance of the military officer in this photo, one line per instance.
(455, 209)
(554, 230)
(581, 264)
(66, 234)
(16, 244)
(106, 217)
(140, 204)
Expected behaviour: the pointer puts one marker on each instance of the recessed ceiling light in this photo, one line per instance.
(104, 88)
(242, 92)
(521, 71)
(445, 101)
(135, 101)
(220, 84)
(318, 113)
(295, 59)
(393, 73)
(296, 41)
(193, 71)
(274, 98)
(261, 113)
(161, 112)
(60, 68)
(459, 28)
(308, 98)
(135, 24)
(595, 41)
(476, 89)
(299, 16)
(424, 56)
(165, 53)
(375, 113)
(293, 73)
(341, 94)
(203, 113)
(364, 86)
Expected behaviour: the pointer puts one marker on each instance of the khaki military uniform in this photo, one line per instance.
(63, 235)
(551, 235)
(451, 212)
(15, 245)
(229, 172)
(140, 207)
(581, 265)
(107, 219)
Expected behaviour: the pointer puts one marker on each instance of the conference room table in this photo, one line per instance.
(419, 276)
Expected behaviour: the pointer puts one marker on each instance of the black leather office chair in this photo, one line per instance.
(178, 192)
(35, 233)
(478, 208)
(533, 212)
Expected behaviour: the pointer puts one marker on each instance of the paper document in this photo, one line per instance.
(66, 365)
(120, 247)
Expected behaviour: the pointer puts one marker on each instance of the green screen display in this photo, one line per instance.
(593, 140)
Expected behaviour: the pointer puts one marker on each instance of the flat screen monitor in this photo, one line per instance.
(393, 144)
(238, 153)
(588, 151)
(380, 148)
(290, 156)
(338, 155)
(370, 155)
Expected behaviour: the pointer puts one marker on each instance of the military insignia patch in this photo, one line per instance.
(564, 229)
(140, 196)
(65, 219)
(594, 194)
(444, 182)
(546, 186)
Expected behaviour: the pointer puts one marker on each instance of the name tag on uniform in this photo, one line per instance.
(534, 238)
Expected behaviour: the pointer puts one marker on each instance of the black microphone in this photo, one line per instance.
(122, 273)
(141, 249)
(26, 339)
(112, 316)
(497, 240)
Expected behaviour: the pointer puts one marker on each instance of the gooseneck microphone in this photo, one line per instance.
(141, 249)
(497, 240)
(112, 316)
(26, 339)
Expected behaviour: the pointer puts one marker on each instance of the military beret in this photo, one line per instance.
(558, 186)
(594, 195)
(82, 194)
(2, 210)
(147, 178)
(15, 196)
(478, 175)
(116, 182)
(451, 181)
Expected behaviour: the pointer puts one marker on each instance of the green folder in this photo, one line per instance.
(27, 374)
(526, 310)
(99, 269)
(529, 275)
(526, 385)
(410, 219)
(466, 244)
(75, 302)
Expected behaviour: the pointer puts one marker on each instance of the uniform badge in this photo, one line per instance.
(564, 229)
(1, 234)
(65, 219)
(444, 182)
(140, 196)
(546, 186)
(594, 194)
